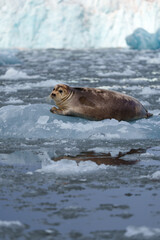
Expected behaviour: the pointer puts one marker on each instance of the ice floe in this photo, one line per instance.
(41, 123)
(10, 223)
(69, 167)
(133, 231)
(13, 74)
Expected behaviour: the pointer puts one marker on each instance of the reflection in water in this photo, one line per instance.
(103, 158)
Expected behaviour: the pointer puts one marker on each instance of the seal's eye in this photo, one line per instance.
(60, 91)
(53, 89)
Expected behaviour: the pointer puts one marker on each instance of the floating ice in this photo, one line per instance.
(156, 175)
(154, 151)
(13, 74)
(43, 163)
(12, 100)
(141, 39)
(10, 224)
(133, 231)
(67, 167)
(127, 72)
(9, 88)
(40, 123)
(74, 24)
(153, 176)
(149, 91)
(114, 152)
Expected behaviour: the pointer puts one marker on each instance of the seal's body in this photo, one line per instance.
(96, 104)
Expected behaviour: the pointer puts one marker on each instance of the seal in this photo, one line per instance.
(96, 104)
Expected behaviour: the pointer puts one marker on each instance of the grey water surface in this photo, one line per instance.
(70, 178)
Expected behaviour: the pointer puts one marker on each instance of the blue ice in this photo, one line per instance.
(141, 39)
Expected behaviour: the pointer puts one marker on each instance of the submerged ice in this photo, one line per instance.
(74, 24)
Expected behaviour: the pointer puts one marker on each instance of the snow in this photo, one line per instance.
(75, 24)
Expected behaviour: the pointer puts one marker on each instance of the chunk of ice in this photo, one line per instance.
(10, 223)
(13, 74)
(41, 123)
(141, 39)
(133, 231)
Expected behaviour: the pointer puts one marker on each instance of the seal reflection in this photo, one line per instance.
(103, 158)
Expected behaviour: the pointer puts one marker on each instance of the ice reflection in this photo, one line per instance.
(103, 158)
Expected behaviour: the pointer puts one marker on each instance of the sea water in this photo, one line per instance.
(70, 178)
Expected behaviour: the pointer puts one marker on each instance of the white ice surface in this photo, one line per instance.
(69, 167)
(36, 121)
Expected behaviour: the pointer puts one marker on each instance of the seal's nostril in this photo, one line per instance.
(53, 95)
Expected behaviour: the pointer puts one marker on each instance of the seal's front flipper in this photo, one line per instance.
(56, 110)
(53, 109)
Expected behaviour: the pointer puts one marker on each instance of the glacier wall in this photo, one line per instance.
(74, 24)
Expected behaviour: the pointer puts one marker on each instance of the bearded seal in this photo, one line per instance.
(96, 104)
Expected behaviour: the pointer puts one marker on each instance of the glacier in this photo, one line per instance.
(74, 24)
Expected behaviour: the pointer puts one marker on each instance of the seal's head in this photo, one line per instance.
(60, 93)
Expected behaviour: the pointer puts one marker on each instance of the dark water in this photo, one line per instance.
(71, 178)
